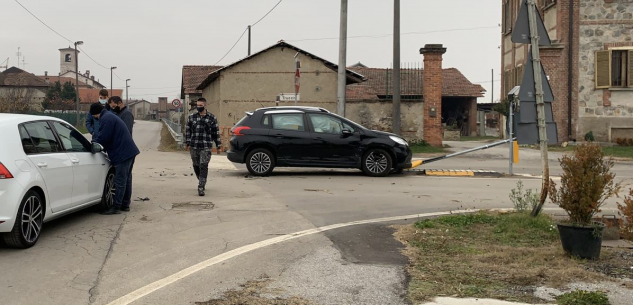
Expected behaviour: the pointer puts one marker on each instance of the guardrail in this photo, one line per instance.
(175, 131)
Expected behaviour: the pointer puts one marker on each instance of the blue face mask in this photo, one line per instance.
(103, 101)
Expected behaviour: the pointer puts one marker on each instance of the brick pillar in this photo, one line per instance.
(432, 92)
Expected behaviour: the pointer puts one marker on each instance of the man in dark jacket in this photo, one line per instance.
(117, 141)
(91, 124)
(119, 108)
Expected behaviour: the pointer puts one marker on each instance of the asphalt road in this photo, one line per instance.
(87, 258)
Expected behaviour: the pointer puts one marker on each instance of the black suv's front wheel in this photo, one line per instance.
(260, 162)
(377, 163)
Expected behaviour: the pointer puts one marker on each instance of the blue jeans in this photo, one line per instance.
(123, 183)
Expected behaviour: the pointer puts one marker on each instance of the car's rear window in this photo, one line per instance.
(242, 120)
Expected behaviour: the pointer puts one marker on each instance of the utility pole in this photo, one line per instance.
(396, 67)
(342, 61)
(540, 103)
(492, 91)
(249, 40)
(77, 79)
(18, 54)
(111, 72)
(297, 78)
(127, 101)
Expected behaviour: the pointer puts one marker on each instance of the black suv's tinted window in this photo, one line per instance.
(288, 121)
(27, 143)
(43, 137)
(72, 140)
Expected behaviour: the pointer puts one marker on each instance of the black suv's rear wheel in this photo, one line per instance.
(260, 162)
(377, 163)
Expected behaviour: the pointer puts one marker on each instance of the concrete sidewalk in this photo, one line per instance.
(453, 301)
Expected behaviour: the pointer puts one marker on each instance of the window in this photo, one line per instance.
(289, 121)
(614, 68)
(266, 121)
(326, 124)
(27, 143)
(68, 58)
(43, 137)
(72, 140)
(507, 17)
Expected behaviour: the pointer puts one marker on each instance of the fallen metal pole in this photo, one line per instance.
(467, 151)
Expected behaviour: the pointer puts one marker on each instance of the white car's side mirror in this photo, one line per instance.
(96, 147)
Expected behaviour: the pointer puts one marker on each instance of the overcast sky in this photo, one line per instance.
(150, 40)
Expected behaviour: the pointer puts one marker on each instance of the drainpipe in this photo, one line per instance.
(570, 75)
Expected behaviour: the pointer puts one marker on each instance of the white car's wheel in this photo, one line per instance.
(107, 199)
(28, 222)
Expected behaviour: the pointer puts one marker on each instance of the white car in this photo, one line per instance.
(47, 169)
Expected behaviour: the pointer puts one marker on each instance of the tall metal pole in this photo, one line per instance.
(127, 101)
(249, 40)
(540, 104)
(342, 61)
(296, 79)
(511, 133)
(77, 80)
(111, 72)
(396, 67)
(492, 90)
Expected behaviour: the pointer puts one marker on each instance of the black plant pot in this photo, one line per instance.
(583, 242)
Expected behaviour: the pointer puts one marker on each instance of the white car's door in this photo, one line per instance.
(89, 169)
(52, 163)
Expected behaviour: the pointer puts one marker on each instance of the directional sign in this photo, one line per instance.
(176, 103)
(528, 90)
(521, 32)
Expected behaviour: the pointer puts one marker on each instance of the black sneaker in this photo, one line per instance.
(200, 191)
(125, 209)
(111, 211)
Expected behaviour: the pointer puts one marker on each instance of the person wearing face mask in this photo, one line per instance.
(117, 141)
(201, 132)
(91, 124)
(118, 107)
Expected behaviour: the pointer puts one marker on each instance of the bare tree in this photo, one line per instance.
(17, 99)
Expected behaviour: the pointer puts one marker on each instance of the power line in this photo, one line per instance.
(403, 34)
(44, 23)
(246, 30)
(271, 10)
(96, 62)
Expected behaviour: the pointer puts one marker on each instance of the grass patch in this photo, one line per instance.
(425, 148)
(477, 138)
(581, 297)
(614, 151)
(167, 142)
(484, 255)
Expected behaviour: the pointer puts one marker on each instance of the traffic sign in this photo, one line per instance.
(176, 103)
(528, 90)
(521, 32)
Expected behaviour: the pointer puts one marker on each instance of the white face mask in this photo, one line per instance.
(103, 101)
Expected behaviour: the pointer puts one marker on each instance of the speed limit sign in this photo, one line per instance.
(176, 103)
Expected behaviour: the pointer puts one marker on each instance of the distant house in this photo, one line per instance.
(90, 96)
(20, 90)
(141, 109)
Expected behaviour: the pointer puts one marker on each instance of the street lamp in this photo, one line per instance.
(126, 89)
(77, 43)
(111, 72)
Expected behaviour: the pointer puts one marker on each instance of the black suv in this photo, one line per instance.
(313, 137)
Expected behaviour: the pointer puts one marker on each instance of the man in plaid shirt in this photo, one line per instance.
(202, 131)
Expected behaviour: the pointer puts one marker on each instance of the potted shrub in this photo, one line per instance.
(586, 183)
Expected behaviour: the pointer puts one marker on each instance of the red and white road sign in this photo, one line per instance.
(176, 103)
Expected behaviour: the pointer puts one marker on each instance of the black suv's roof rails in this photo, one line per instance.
(295, 107)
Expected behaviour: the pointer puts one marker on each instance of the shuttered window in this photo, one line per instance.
(603, 69)
(614, 68)
(629, 75)
(507, 17)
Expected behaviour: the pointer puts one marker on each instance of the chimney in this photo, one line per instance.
(92, 77)
(45, 73)
(432, 91)
(87, 73)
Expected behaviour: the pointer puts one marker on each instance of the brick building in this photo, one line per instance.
(589, 64)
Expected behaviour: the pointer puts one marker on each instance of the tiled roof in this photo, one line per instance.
(193, 76)
(455, 84)
(18, 77)
(89, 96)
(61, 79)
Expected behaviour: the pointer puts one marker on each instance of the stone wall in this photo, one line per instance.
(378, 115)
(604, 24)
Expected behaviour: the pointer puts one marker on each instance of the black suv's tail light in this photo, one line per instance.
(237, 131)
(4, 172)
